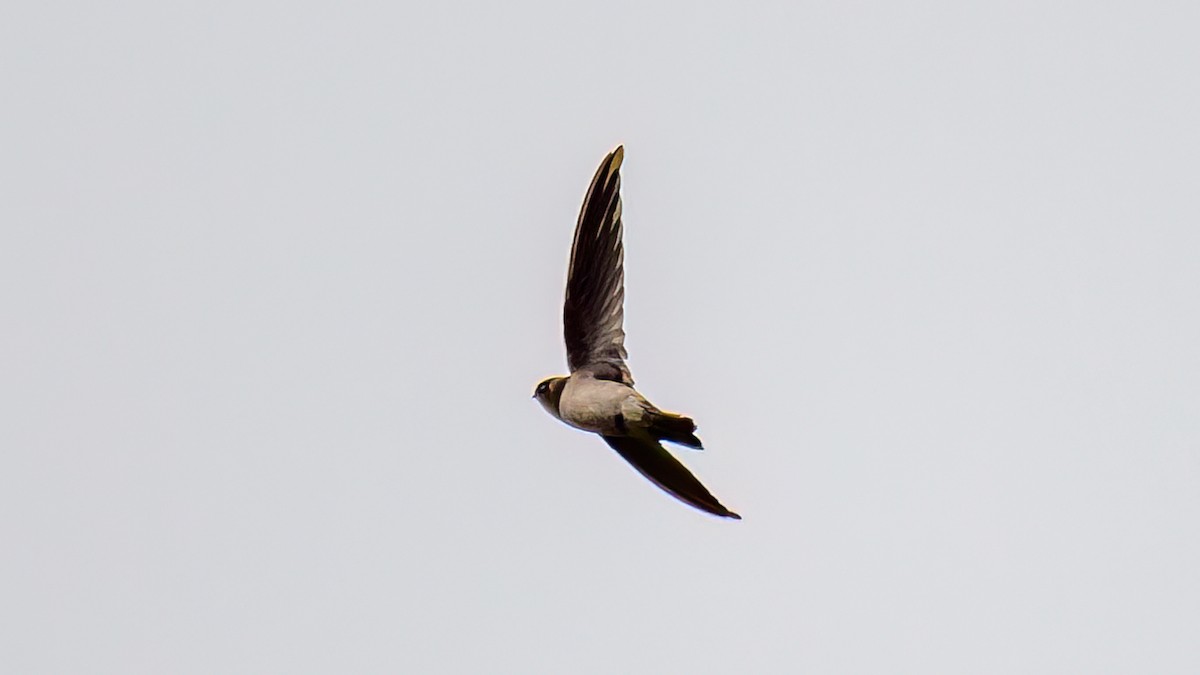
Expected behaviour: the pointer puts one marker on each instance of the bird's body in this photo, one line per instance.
(602, 406)
(598, 396)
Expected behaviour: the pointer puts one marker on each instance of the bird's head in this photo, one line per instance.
(548, 392)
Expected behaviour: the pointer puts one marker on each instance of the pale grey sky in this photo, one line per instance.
(278, 280)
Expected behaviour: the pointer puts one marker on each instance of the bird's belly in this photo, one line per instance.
(600, 409)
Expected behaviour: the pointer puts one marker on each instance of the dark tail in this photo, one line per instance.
(674, 428)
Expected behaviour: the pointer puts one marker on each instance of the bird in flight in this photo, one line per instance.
(598, 395)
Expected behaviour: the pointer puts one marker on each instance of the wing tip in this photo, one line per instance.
(729, 514)
(618, 156)
(713, 508)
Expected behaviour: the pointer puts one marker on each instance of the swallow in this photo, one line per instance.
(598, 396)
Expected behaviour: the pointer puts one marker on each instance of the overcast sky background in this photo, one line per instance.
(278, 279)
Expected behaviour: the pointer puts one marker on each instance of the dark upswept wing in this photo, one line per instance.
(655, 463)
(593, 313)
